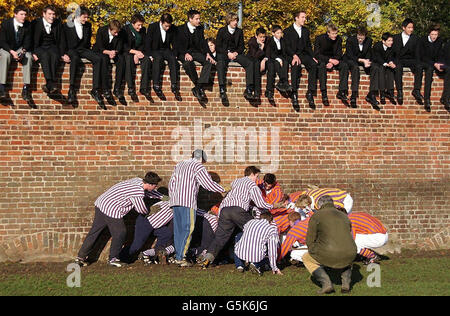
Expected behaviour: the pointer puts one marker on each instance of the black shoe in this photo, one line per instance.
(371, 99)
(45, 89)
(256, 95)
(382, 98)
(280, 87)
(71, 97)
(310, 98)
(132, 92)
(157, 89)
(2, 92)
(81, 262)
(284, 87)
(107, 94)
(325, 100)
(52, 89)
(202, 93)
(196, 93)
(269, 95)
(248, 94)
(390, 96)
(445, 102)
(223, 93)
(400, 97)
(118, 94)
(341, 95)
(174, 88)
(96, 95)
(145, 92)
(26, 93)
(295, 103)
(427, 105)
(419, 98)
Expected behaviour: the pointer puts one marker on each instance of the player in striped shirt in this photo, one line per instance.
(368, 233)
(234, 210)
(184, 186)
(340, 197)
(111, 207)
(258, 239)
(270, 188)
(159, 222)
(296, 235)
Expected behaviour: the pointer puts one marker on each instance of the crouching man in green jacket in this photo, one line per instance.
(330, 244)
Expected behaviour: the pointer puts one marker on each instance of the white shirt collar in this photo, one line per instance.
(111, 37)
(163, 33)
(278, 42)
(429, 39)
(361, 46)
(17, 24)
(46, 24)
(405, 38)
(298, 29)
(231, 30)
(78, 28)
(385, 47)
(191, 27)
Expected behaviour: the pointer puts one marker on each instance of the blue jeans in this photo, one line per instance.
(183, 226)
(142, 232)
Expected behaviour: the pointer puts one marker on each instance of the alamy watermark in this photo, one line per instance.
(74, 278)
(229, 144)
(374, 278)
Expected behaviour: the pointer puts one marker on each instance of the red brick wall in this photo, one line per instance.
(55, 159)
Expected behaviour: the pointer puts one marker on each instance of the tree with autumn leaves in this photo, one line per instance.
(378, 16)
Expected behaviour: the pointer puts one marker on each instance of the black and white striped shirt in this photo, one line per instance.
(259, 237)
(244, 190)
(186, 179)
(164, 216)
(122, 197)
(212, 219)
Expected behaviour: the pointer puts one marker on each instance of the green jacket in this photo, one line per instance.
(329, 238)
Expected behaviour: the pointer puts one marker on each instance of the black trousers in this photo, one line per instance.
(116, 228)
(191, 69)
(446, 91)
(296, 72)
(229, 219)
(429, 70)
(130, 71)
(75, 61)
(386, 77)
(342, 67)
(257, 74)
(411, 64)
(207, 236)
(244, 61)
(158, 66)
(373, 73)
(142, 231)
(49, 58)
(273, 69)
(106, 77)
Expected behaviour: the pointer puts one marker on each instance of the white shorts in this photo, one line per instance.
(371, 241)
(348, 203)
(298, 254)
